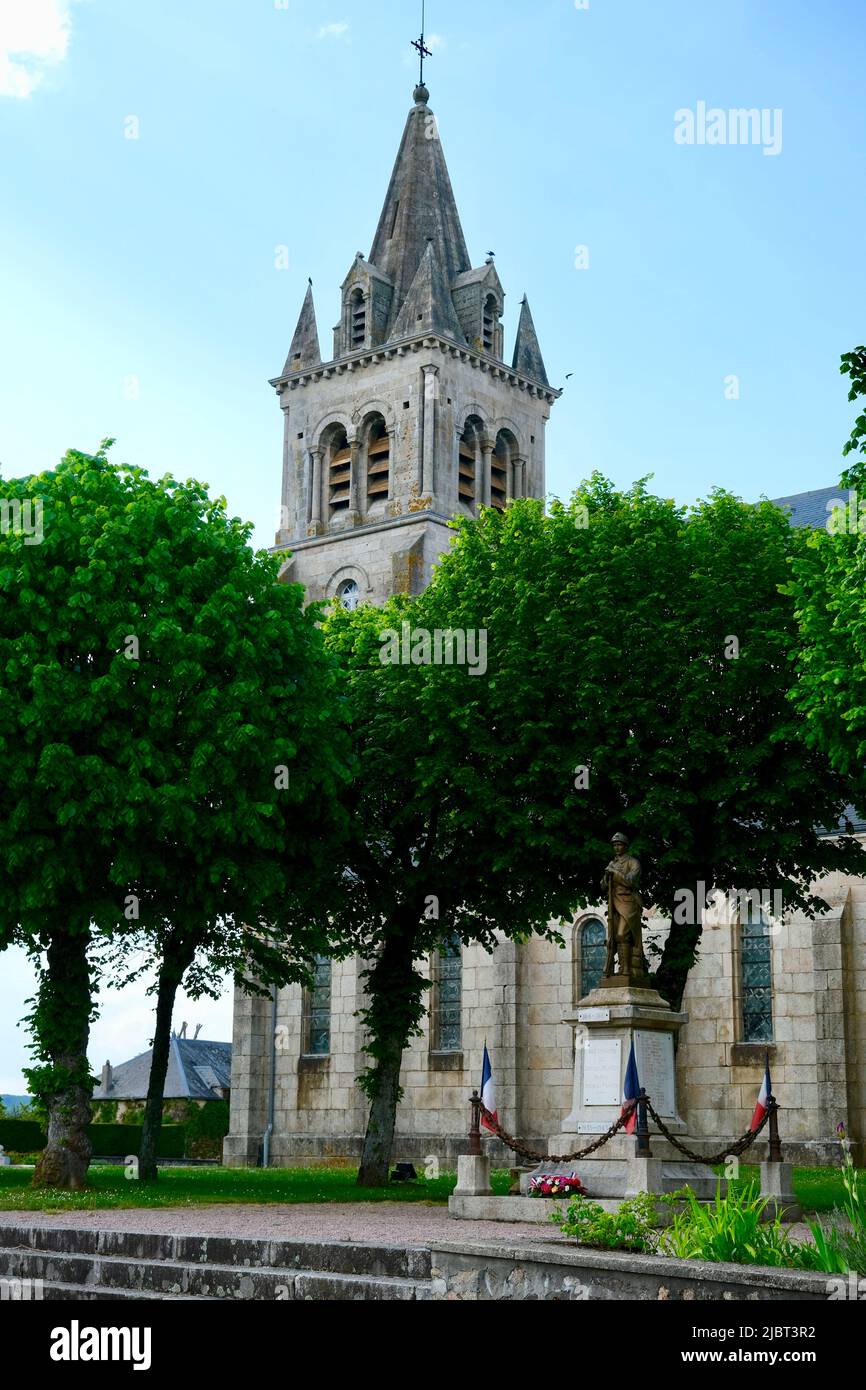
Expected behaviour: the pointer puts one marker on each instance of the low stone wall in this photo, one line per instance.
(473, 1272)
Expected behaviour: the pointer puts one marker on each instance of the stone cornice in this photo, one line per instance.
(385, 524)
(369, 357)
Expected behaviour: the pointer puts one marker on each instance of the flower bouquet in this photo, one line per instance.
(556, 1185)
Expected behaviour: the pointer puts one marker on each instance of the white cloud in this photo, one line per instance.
(34, 37)
(333, 31)
(434, 42)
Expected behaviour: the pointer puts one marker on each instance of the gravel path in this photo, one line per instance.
(410, 1223)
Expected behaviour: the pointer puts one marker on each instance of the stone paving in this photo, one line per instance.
(401, 1223)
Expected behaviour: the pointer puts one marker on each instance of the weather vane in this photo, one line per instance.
(423, 50)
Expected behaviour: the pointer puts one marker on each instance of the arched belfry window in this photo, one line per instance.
(357, 320)
(500, 463)
(490, 326)
(339, 471)
(378, 461)
(592, 946)
(467, 461)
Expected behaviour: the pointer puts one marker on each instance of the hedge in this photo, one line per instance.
(110, 1141)
(21, 1136)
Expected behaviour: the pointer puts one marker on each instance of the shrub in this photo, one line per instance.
(110, 1141)
(730, 1229)
(629, 1228)
(17, 1135)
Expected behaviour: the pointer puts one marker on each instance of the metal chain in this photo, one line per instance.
(733, 1150)
(739, 1146)
(510, 1142)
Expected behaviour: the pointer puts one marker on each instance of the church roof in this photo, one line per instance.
(419, 207)
(428, 307)
(527, 353)
(305, 351)
(810, 508)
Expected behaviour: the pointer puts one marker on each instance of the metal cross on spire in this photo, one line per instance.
(423, 50)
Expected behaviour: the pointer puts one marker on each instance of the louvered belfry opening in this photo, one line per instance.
(503, 456)
(491, 314)
(339, 471)
(500, 463)
(378, 461)
(357, 320)
(467, 463)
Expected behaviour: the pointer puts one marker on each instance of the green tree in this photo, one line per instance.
(829, 590)
(169, 752)
(638, 668)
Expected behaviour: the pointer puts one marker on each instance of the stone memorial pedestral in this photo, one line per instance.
(605, 1023)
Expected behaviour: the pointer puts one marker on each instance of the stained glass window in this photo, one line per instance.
(318, 1010)
(593, 938)
(447, 1034)
(756, 977)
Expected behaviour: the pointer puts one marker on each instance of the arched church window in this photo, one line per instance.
(378, 461)
(339, 472)
(500, 462)
(593, 939)
(357, 320)
(349, 594)
(467, 464)
(446, 1029)
(317, 1011)
(491, 320)
(756, 979)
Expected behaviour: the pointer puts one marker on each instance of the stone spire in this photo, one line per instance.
(419, 207)
(428, 307)
(527, 354)
(304, 351)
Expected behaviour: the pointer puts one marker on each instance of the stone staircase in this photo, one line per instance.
(76, 1264)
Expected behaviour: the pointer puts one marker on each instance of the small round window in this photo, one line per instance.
(349, 594)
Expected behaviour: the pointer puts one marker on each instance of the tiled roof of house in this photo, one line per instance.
(197, 1070)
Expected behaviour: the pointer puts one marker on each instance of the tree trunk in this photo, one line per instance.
(170, 975)
(62, 1030)
(379, 1139)
(395, 1007)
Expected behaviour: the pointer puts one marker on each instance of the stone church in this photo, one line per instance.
(415, 418)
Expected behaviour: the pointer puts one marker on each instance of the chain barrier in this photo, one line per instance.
(511, 1143)
(733, 1150)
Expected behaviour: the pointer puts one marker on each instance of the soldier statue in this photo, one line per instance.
(624, 909)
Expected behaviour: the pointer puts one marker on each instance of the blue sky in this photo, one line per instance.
(140, 297)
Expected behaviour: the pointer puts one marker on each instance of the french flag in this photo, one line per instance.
(631, 1091)
(488, 1091)
(765, 1091)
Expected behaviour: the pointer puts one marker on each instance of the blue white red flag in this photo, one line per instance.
(765, 1091)
(488, 1091)
(631, 1091)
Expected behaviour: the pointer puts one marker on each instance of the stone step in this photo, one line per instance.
(72, 1273)
(79, 1293)
(332, 1257)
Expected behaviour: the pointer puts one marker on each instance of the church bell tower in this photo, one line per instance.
(417, 417)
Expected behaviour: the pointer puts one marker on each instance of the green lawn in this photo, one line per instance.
(193, 1187)
(819, 1189)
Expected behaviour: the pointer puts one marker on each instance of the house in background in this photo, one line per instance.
(198, 1072)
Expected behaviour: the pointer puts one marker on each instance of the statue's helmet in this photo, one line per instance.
(619, 839)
